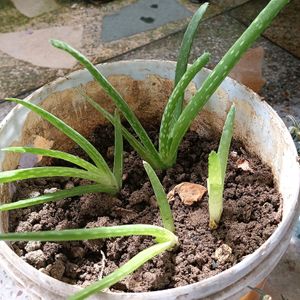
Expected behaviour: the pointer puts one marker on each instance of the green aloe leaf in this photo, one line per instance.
(76, 191)
(38, 172)
(54, 153)
(161, 197)
(185, 50)
(215, 189)
(217, 163)
(215, 78)
(118, 151)
(168, 118)
(70, 132)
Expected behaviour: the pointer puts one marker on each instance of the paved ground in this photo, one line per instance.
(225, 22)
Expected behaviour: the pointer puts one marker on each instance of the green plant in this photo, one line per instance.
(164, 237)
(217, 163)
(175, 120)
(106, 180)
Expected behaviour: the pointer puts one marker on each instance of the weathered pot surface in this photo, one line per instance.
(146, 85)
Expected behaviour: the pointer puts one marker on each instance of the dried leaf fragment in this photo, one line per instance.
(244, 165)
(188, 192)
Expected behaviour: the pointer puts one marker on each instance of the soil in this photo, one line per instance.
(252, 211)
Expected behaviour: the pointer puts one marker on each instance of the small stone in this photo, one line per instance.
(223, 253)
(34, 217)
(32, 246)
(37, 227)
(23, 226)
(34, 194)
(188, 192)
(36, 258)
(51, 190)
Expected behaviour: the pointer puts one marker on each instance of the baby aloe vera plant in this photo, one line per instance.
(177, 119)
(217, 162)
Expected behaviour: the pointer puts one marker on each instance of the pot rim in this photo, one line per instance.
(217, 282)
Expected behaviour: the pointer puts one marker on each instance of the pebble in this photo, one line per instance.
(36, 258)
(32, 246)
(34, 194)
(51, 190)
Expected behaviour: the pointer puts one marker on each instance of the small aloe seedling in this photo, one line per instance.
(176, 120)
(105, 180)
(164, 237)
(217, 163)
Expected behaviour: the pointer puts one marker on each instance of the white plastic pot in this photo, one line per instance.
(146, 85)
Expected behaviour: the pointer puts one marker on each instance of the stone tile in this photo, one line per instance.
(33, 8)
(284, 30)
(141, 16)
(33, 46)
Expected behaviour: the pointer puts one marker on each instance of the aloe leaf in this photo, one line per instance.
(70, 132)
(112, 92)
(76, 191)
(38, 172)
(54, 153)
(160, 234)
(169, 115)
(224, 145)
(118, 151)
(161, 197)
(222, 69)
(217, 163)
(215, 189)
(185, 50)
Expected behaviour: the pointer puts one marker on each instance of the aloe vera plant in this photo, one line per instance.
(176, 120)
(217, 162)
(99, 172)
